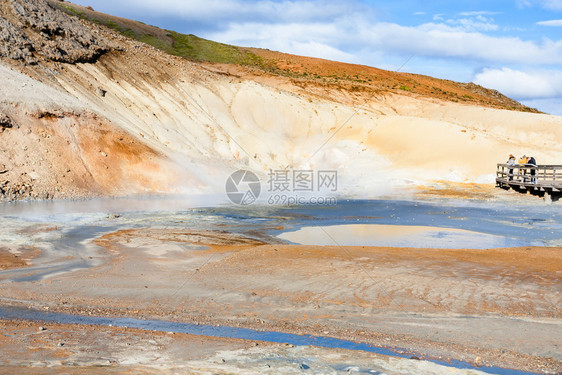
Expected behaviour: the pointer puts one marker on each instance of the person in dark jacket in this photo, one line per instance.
(533, 164)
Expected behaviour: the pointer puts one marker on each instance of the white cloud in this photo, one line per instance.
(352, 34)
(554, 23)
(474, 23)
(477, 13)
(438, 17)
(552, 4)
(522, 84)
(309, 39)
(320, 50)
(307, 48)
(442, 41)
(524, 3)
(547, 4)
(216, 11)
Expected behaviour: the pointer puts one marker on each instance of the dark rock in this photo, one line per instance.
(15, 190)
(39, 30)
(50, 115)
(14, 44)
(5, 121)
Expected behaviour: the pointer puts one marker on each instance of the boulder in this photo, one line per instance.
(5, 121)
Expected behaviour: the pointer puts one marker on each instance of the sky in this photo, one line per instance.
(514, 46)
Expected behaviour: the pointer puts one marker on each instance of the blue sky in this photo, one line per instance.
(514, 46)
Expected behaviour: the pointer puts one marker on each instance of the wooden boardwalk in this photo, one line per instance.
(539, 180)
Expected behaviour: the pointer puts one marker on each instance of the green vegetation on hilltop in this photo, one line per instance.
(187, 46)
(199, 49)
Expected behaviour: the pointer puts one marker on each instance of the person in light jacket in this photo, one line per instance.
(511, 163)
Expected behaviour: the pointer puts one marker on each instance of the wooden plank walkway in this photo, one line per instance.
(539, 180)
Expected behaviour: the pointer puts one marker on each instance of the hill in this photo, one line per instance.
(88, 108)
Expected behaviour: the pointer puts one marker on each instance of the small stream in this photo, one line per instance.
(18, 313)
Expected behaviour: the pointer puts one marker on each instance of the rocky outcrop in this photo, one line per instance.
(18, 191)
(31, 30)
(5, 122)
(14, 44)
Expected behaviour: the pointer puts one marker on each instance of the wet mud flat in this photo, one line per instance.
(489, 310)
(17, 256)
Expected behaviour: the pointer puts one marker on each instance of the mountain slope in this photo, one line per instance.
(135, 119)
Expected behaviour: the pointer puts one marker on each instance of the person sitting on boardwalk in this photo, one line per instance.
(531, 162)
(511, 163)
(522, 162)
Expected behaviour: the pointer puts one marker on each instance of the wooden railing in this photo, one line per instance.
(545, 178)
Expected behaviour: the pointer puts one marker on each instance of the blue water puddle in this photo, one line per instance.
(18, 313)
(519, 225)
(397, 236)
